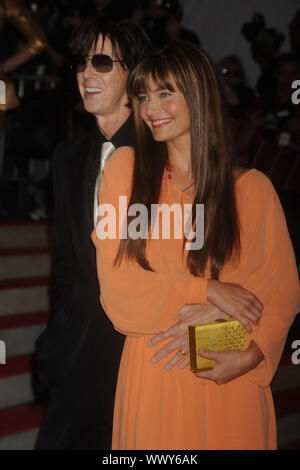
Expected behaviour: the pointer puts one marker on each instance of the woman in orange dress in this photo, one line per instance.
(147, 278)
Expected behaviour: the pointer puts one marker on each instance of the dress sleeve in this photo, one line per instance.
(269, 262)
(137, 301)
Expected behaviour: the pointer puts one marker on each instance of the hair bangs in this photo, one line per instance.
(158, 70)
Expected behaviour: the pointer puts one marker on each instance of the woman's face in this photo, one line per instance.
(165, 112)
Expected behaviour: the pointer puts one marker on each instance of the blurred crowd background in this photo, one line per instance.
(40, 108)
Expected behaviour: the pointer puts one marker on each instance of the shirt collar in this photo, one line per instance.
(123, 137)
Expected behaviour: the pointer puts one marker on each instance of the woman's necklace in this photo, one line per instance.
(182, 187)
(169, 172)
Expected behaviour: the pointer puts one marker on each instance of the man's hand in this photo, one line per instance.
(188, 314)
(230, 364)
(236, 301)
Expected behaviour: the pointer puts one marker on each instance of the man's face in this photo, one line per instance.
(103, 94)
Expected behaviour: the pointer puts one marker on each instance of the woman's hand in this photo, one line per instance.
(230, 364)
(236, 301)
(188, 314)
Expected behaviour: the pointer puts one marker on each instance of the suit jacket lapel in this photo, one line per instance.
(81, 202)
(81, 174)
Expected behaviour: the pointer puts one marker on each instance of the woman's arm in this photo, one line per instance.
(268, 269)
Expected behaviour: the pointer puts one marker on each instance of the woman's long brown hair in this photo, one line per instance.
(212, 169)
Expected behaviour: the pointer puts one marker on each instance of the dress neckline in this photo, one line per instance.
(168, 182)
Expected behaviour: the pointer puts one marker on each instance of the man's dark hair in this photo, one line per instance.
(129, 42)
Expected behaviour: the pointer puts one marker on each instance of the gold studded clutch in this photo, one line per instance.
(219, 335)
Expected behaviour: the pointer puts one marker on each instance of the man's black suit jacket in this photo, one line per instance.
(78, 355)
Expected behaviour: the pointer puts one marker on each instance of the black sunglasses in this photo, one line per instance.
(101, 63)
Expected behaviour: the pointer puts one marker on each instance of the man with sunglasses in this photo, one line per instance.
(79, 352)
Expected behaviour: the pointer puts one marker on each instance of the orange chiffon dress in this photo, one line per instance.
(159, 409)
